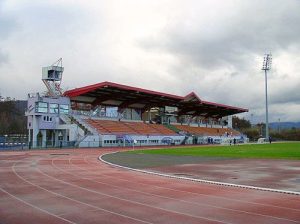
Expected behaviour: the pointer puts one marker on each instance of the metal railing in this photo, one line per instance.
(72, 144)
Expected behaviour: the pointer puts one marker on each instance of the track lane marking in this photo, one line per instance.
(199, 180)
(72, 199)
(27, 167)
(33, 206)
(130, 201)
(175, 199)
(206, 195)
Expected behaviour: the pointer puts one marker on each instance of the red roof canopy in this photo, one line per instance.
(113, 94)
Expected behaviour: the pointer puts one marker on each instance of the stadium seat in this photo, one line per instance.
(132, 128)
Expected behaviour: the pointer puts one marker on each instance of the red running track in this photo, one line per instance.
(73, 186)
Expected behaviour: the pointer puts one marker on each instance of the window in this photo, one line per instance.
(53, 108)
(41, 107)
(64, 109)
(47, 118)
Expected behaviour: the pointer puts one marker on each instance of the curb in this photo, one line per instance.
(198, 180)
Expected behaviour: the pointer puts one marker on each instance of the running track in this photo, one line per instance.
(73, 186)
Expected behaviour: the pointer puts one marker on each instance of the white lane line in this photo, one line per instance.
(175, 199)
(197, 194)
(198, 180)
(130, 201)
(33, 206)
(72, 199)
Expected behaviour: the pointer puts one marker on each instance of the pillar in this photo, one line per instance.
(35, 131)
(44, 138)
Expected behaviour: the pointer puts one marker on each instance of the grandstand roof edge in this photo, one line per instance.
(85, 89)
(82, 90)
(226, 106)
(193, 94)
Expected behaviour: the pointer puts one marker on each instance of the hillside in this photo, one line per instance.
(284, 125)
(12, 118)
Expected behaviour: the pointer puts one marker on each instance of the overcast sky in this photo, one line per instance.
(214, 48)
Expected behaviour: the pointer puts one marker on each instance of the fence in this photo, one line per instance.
(72, 144)
(24, 144)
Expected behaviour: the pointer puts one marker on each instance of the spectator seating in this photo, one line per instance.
(207, 131)
(132, 128)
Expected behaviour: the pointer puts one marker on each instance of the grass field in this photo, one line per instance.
(267, 151)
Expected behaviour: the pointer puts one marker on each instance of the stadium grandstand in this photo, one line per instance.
(111, 114)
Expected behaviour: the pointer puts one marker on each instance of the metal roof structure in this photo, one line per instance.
(122, 96)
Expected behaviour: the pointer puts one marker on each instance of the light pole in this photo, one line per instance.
(266, 67)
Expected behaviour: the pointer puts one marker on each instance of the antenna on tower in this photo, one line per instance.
(52, 77)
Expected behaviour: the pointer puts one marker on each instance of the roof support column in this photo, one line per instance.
(229, 124)
(149, 115)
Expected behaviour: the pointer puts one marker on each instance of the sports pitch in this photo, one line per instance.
(289, 150)
(275, 165)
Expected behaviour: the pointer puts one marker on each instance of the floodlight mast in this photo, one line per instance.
(266, 67)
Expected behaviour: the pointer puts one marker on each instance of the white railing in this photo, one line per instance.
(84, 124)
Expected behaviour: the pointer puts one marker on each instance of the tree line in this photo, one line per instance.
(258, 131)
(12, 117)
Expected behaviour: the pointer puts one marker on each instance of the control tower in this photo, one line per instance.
(52, 76)
(48, 121)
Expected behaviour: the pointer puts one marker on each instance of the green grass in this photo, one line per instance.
(262, 151)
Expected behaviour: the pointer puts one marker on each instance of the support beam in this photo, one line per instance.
(98, 101)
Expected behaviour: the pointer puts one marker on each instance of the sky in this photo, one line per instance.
(213, 48)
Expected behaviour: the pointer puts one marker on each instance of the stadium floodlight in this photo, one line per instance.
(266, 67)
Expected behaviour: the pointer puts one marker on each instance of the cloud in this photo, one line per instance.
(211, 47)
(231, 35)
(45, 31)
(7, 26)
(287, 94)
(3, 58)
(220, 49)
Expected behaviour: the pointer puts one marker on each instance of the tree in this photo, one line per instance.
(252, 133)
(12, 120)
(240, 124)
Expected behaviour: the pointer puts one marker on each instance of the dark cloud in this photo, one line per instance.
(220, 57)
(289, 94)
(234, 38)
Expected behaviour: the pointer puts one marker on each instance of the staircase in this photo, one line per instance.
(184, 140)
(172, 128)
(84, 126)
(65, 118)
